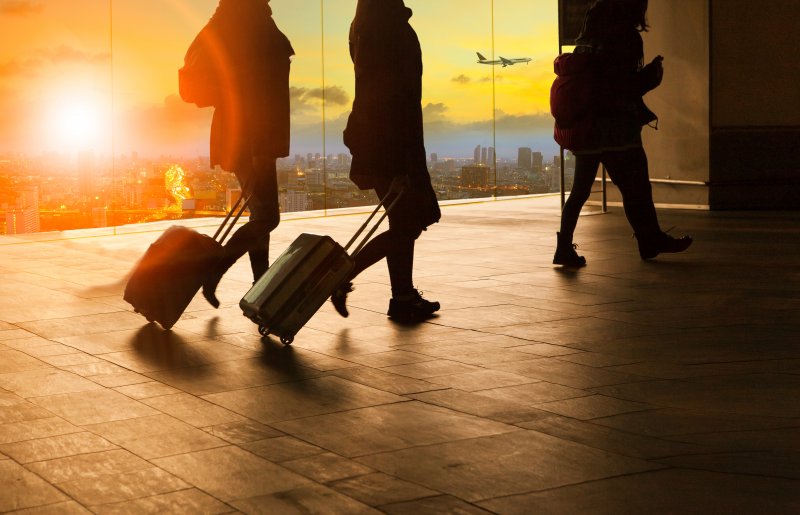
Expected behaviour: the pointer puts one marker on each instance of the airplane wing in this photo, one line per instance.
(505, 62)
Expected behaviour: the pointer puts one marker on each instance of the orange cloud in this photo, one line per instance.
(20, 7)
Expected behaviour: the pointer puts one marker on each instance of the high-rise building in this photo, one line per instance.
(524, 158)
(477, 155)
(434, 159)
(484, 155)
(537, 161)
(293, 200)
(490, 156)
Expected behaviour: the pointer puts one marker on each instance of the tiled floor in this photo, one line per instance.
(670, 386)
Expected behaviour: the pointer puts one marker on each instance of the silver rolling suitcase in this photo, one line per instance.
(301, 280)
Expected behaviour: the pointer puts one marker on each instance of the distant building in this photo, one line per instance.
(99, 217)
(476, 176)
(293, 200)
(22, 221)
(537, 161)
(524, 158)
(484, 155)
(477, 155)
(490, 156)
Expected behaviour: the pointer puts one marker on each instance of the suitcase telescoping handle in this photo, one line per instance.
(361, 229)
(238, 209)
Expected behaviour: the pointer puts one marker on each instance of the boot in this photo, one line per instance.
(565, 252)
(339, 298)
(211, 281)
(661, 243)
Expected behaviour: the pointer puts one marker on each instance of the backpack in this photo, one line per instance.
(573, 100)
(198, 79)
(572, 95)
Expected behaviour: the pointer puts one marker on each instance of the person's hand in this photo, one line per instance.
(400, 183)
(654, 72)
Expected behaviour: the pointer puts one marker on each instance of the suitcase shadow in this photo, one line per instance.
(281, 358)
(166, 350)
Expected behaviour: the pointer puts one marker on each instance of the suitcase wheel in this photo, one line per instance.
(263, 330)
(287, 340)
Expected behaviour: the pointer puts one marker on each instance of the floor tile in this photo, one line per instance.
(22, 489)
(192, 410)
(384, 428)
(185, 501)
(668, 491)
(311, 499)
(60, 446)
(124, 486)
(301, 399)
(379, 489)
(94, 407)
(501, 465)
(230, 473)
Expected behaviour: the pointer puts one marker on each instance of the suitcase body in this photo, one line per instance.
(296, 285)
(170, 274)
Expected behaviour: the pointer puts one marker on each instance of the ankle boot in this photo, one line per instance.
(211, 280)
(565, 252)
(661, 243)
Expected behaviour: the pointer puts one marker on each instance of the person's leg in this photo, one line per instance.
(629, 171)
(585, 173)
(253, 236)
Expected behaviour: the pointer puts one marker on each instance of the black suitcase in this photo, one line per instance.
(301, 280)
(171, 272)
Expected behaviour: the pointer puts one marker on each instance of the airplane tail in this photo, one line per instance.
(480, 56)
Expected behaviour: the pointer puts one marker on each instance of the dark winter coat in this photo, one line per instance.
(384, 131)
(252, 118)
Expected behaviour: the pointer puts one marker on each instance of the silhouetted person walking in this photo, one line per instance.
(384, 134)
(250, 128)
(611, 35)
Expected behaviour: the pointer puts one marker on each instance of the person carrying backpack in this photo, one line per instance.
(597, 102)
(248, 60)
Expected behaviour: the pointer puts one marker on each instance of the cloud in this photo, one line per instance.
(19, 7)
(308, 99)
(30, 66)
(434, 112)
(461, 79)
(20, 68)
(66, 54)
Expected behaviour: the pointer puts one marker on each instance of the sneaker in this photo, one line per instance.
(412, 309)
(339, 298)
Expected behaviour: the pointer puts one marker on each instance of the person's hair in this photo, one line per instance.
(603, 16)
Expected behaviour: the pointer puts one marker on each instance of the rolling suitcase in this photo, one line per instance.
(302, 278)
(171, 271)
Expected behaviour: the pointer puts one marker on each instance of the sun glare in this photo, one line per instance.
(78, 124)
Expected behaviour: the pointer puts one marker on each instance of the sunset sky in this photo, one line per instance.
(60, 60)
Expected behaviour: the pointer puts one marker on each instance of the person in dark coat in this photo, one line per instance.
(611, 36)
(385, 136)
(250, 127)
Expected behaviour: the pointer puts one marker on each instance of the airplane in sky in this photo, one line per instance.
(503, 61)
